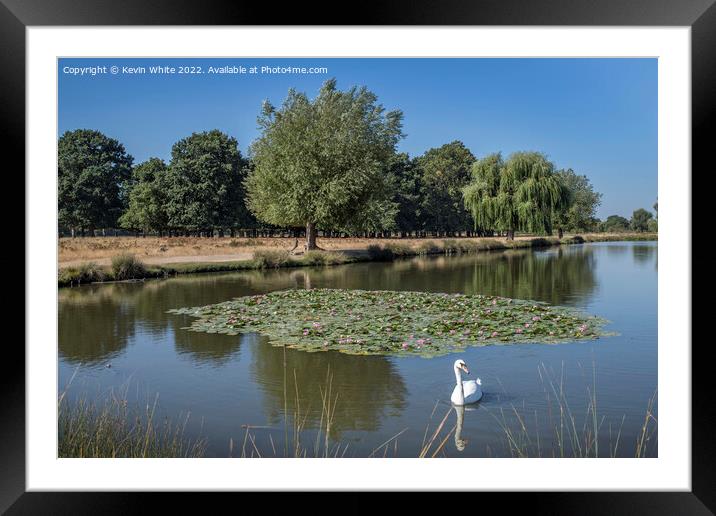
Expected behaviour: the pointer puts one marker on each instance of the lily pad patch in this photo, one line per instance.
(392, 323)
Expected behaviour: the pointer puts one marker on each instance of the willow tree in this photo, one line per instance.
(579, 210)
(481, 194)
(320, 163)
(521, 193)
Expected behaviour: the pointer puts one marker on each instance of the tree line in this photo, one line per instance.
(326, 164)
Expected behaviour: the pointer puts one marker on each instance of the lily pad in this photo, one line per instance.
(392, 323)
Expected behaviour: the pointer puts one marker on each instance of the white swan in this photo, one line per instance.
(468, 391)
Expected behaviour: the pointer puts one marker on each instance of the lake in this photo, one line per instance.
(539, 399)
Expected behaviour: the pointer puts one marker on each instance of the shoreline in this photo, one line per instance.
(375, 250)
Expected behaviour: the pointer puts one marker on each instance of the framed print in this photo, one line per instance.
(305, 257)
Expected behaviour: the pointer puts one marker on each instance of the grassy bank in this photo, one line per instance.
(127, 266)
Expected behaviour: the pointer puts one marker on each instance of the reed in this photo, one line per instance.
(113, 428)
(571, 436)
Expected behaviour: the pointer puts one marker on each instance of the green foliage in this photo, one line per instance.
(127, 266)
(521, 193)
(653, 226)
(148, 198)
(577, 214)
(640, 220)
(323, 161)
(205, 178)
(396, 323)
(482, 194)
(444, 172)
(93, 171)
(615, 224)
(405, 183)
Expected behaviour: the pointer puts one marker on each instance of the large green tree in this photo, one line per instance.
(615, 223)
(148, 197)
(321, 163)
(640, 220)
(520, 194)
(578, 213)
(205, 183)
(93, 171)
(405, 183)
(444, 172)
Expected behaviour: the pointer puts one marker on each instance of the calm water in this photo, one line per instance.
(225, 383)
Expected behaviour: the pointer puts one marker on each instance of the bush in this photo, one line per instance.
(269, 259)
(399, 249)
(128, 266)
(323, 258)
(85, 273)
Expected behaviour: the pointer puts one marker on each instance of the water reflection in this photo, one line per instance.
(367, 388)
(97, 322)
(211, 349)
(460, 443)
(228, 381)
(644, 254)
(93, 331)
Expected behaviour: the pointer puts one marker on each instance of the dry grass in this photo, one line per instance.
(156, 250)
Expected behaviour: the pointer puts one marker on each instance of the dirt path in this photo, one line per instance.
(163, 260)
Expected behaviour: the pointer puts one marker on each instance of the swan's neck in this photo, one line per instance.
(458, 380)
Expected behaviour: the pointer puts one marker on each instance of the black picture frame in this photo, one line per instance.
(700, 15)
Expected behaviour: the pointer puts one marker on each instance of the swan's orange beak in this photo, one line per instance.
(464, 368)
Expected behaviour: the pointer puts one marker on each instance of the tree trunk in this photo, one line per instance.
(511, 234)
(560, 233)
(310, 236)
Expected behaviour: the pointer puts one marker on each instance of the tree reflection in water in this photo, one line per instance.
(98, 321)
(367, 388)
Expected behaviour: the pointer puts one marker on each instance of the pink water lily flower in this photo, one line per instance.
(518, 330)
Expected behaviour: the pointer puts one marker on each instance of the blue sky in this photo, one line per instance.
(597, 116)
